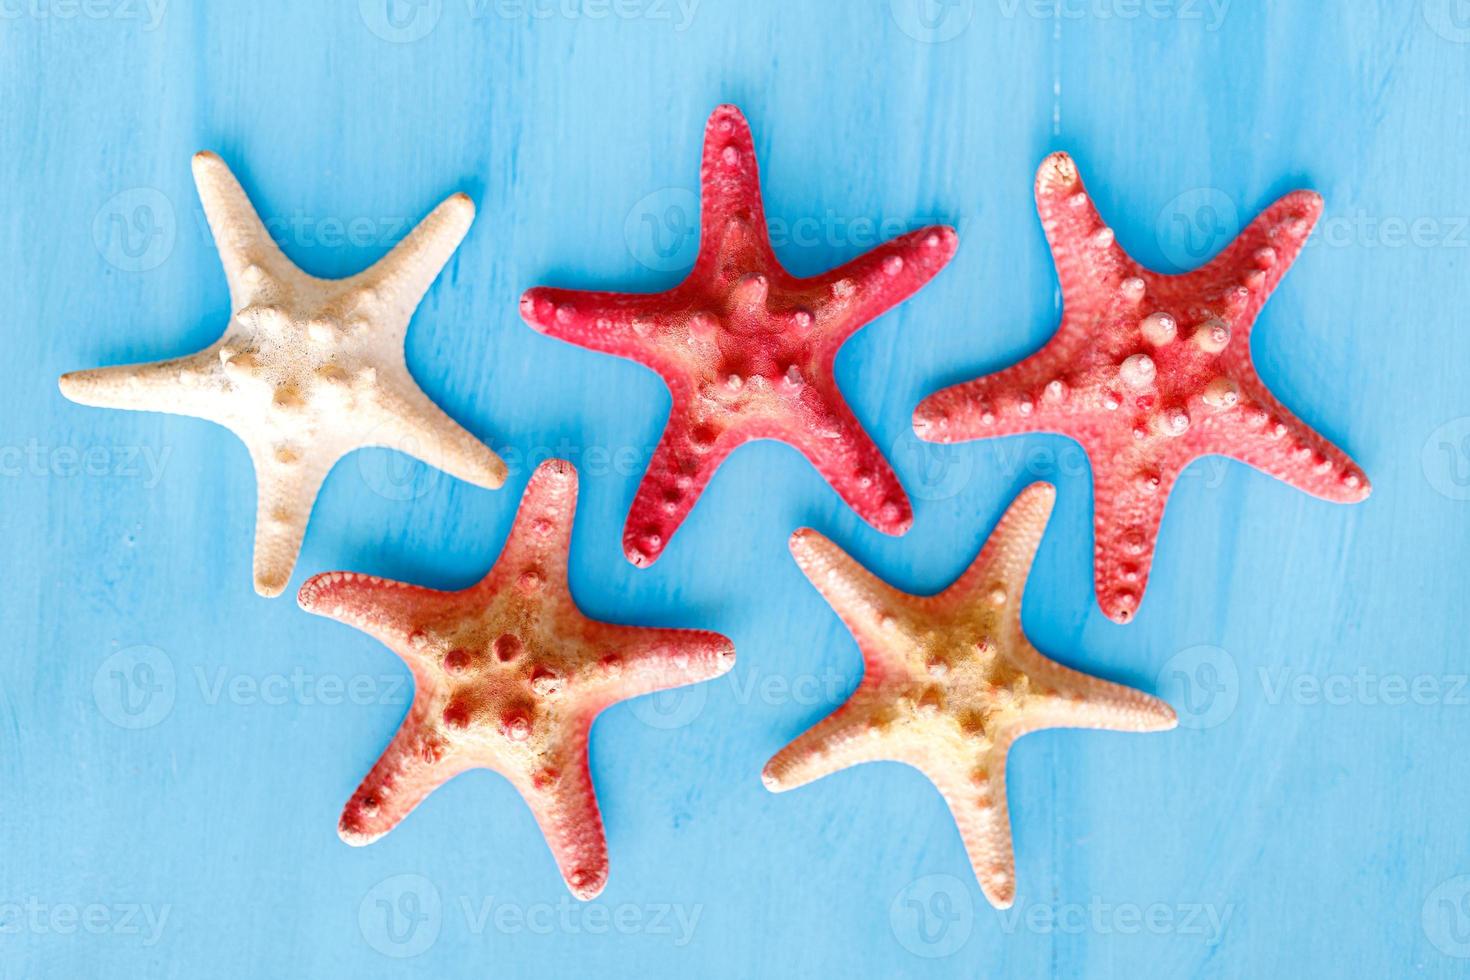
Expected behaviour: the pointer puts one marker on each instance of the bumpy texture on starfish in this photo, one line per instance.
(950, 682)
(747, 349)
(509, 676)
(1149, 372)
(308, 369)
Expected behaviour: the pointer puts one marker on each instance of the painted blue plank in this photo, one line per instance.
(1306, 819)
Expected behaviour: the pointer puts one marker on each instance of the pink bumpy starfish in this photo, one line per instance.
(1150, 372)
(747, 349)
(509, 676)
(950, 682)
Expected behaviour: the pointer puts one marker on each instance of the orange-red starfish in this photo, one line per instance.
(950, 682)
(1149, 372)
(508, 676)
(747, 349)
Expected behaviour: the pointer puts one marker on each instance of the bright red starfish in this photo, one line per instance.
(508, 676)
(1149, 372)
(747, 349)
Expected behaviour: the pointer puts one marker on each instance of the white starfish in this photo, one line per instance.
(308, 369)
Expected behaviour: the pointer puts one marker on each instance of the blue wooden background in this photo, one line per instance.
(174, 751)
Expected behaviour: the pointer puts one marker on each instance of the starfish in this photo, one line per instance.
(1150, 372)
(747, 349)
(307, 370)
(509, 675)
(950, 682)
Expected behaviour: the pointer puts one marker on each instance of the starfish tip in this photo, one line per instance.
(727, 114)
(929, 421)
(309, 596)
(802, 540)
(587, 885)
(1057, 172)
(1001, 898)
(533, 303)
(1040, 494)
(71, 386)
(724, 656)
(271, 583)
(771, 781)
(352, 835)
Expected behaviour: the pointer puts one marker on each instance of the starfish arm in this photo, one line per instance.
(1263, 434)
(682, 466)
(1127, 511)
(1085, 250)
(402, 278)
(847, 737)
(409, 421)
(247, 251)
(416, 762)
(1005, 561)
(179, 386)
(1066, 698)
(852, 464)
(640, 660)
(285, 492)
(1249, 269)
(977, 801)
(391, 612)
(732, 218)
(1032, 396)
(861, 600)
(540, 539)
(564, 803)
(872, 284)
(622, 324)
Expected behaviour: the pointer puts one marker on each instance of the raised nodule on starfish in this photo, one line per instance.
(747, 349)
(509, 675)
(308, 369)
(1150, 372)
(950, 681)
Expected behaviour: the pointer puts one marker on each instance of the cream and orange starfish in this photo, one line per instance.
(950, 681)
(307, 370)
(509, 676)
